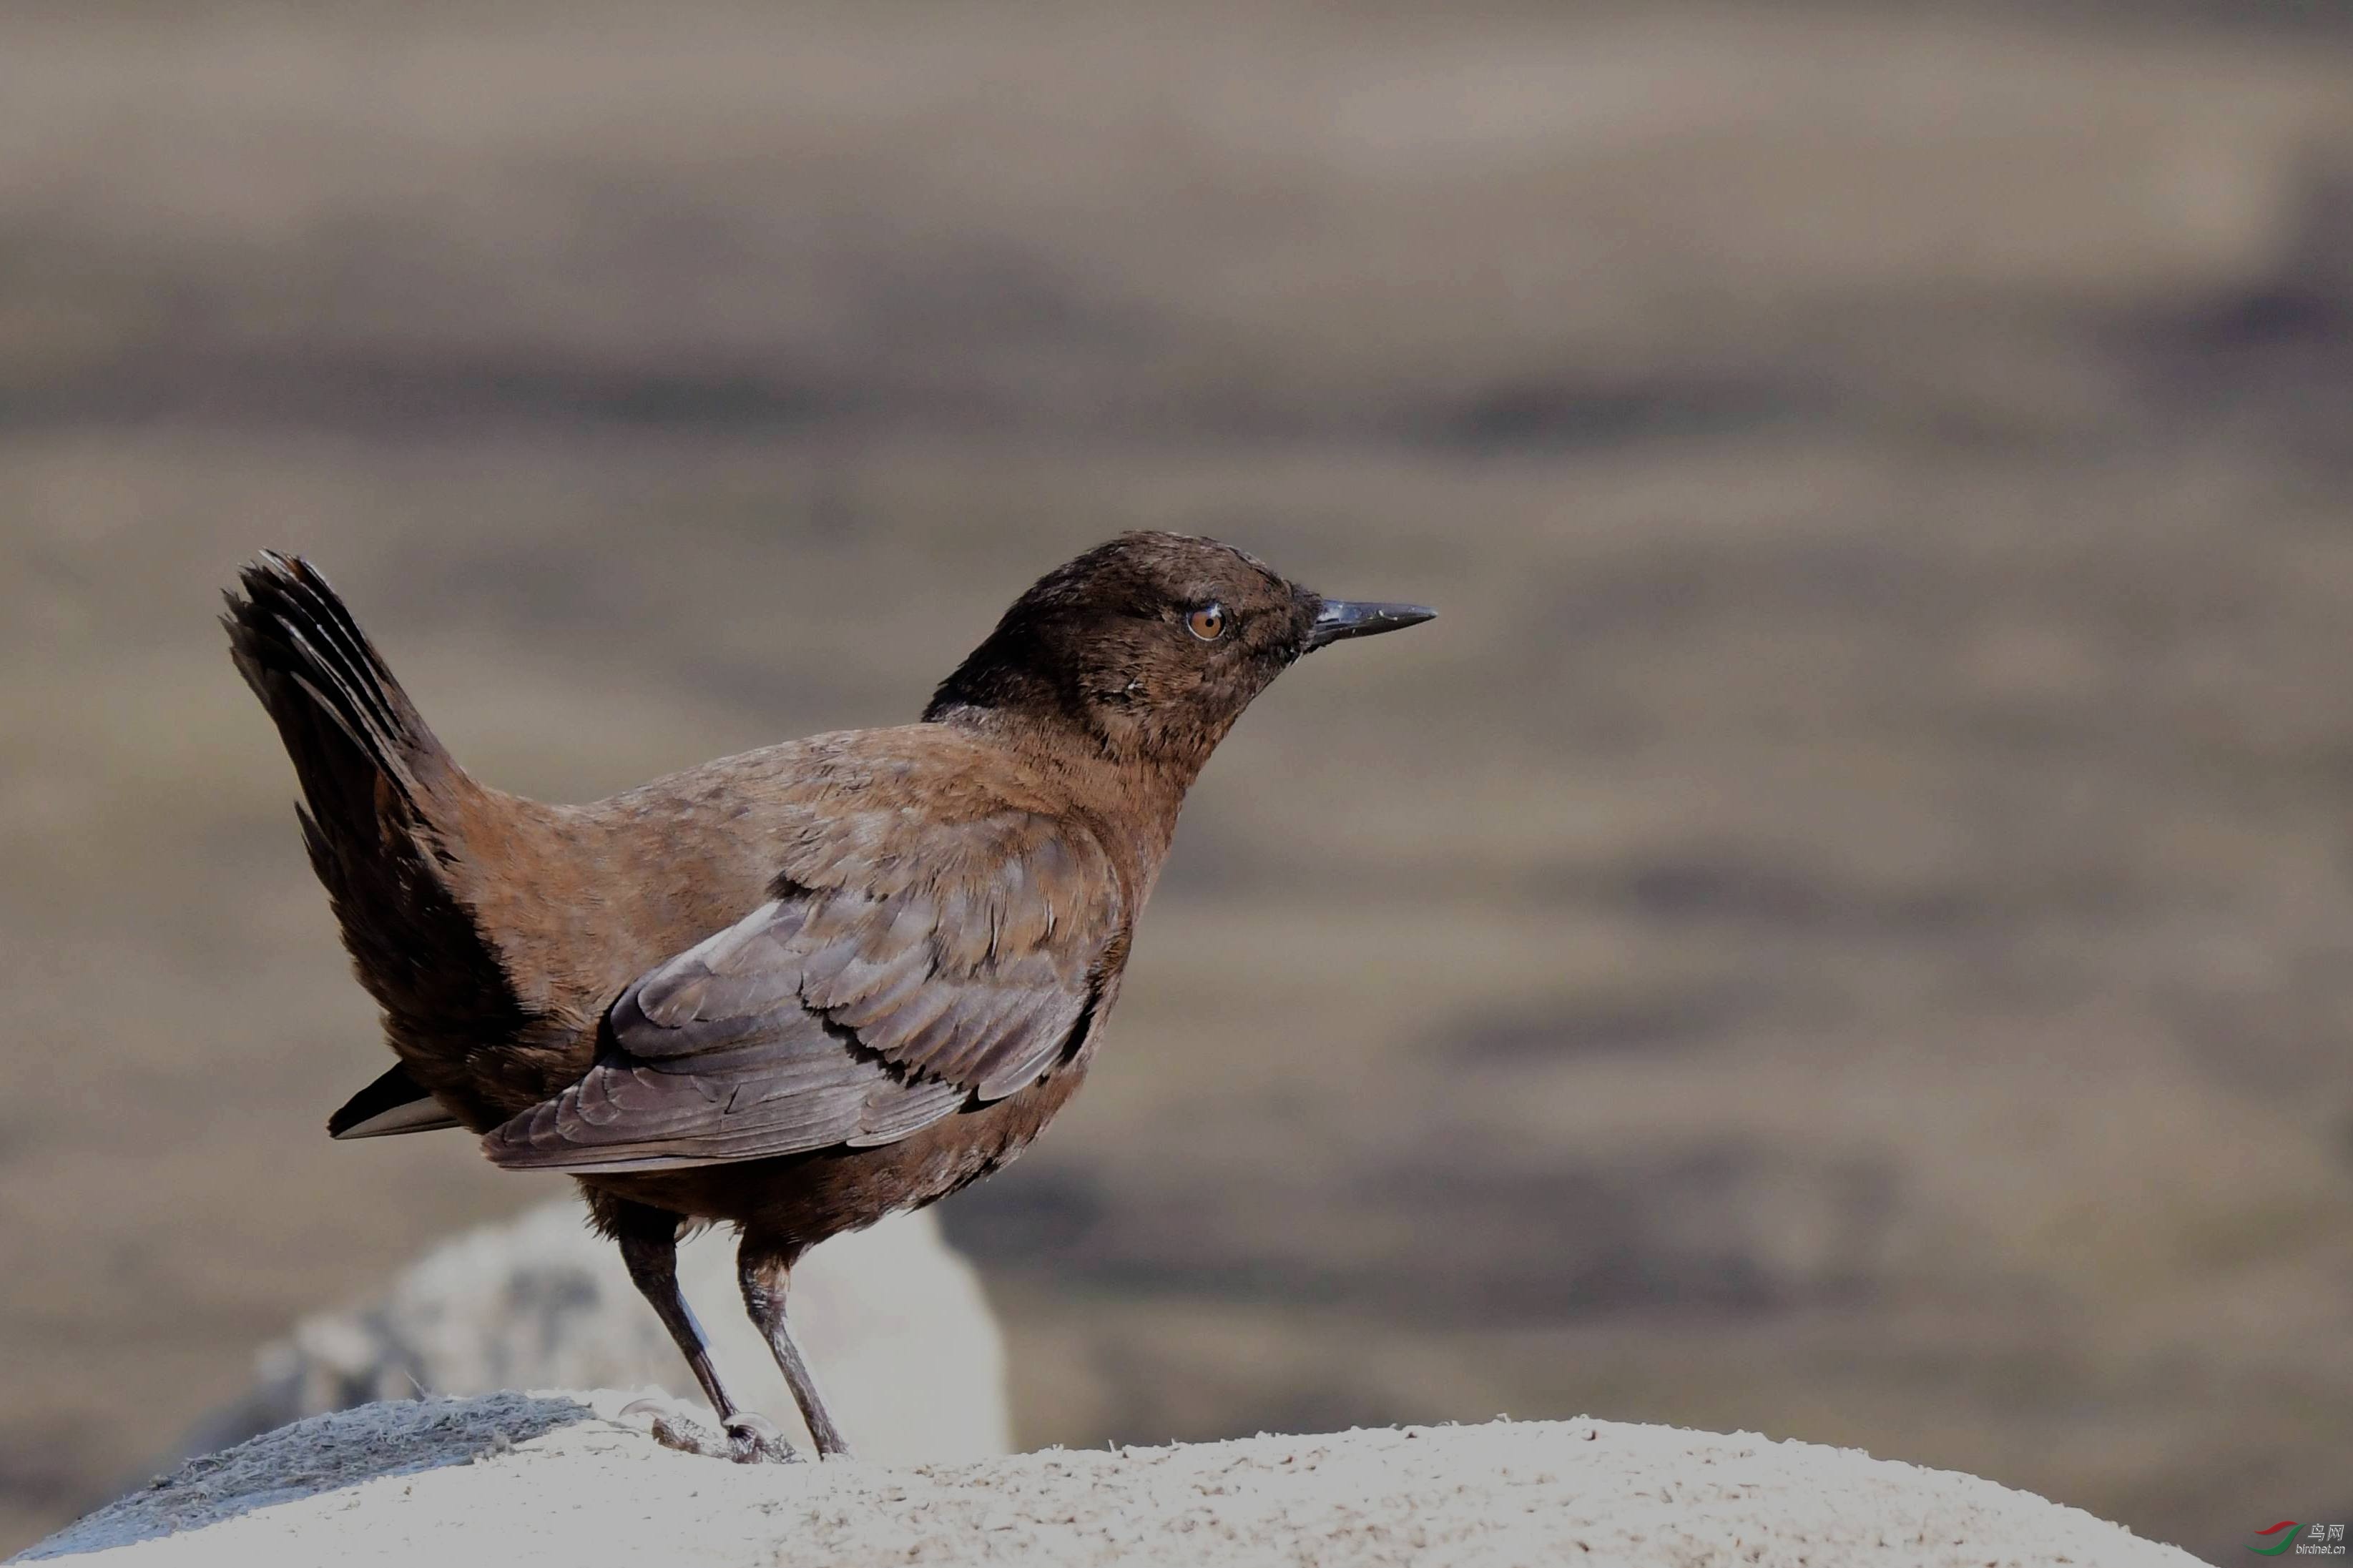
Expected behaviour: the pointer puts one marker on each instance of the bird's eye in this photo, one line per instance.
(1208, 622)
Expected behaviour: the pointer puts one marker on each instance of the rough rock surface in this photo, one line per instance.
(568, 1482)
(894, 1321)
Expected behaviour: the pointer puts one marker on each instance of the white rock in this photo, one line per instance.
(892, 1320)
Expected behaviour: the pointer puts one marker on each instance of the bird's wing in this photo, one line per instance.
(902, 973)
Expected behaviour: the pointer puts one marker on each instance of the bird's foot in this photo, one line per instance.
(673, 1430)
(746, 1440)
(755, 1440)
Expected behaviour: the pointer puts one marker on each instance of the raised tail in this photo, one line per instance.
(383, 802)
(304, 656)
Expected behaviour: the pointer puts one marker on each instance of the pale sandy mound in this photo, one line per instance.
(559, 1479)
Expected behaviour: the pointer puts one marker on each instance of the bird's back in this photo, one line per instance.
(578, 901)
(864, 963)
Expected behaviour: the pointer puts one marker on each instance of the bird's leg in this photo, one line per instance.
(765, 1271)
(648, 1243)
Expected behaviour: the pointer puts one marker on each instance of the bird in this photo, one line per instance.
(795, 990)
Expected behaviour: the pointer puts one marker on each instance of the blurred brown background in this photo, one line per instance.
(1845, 928)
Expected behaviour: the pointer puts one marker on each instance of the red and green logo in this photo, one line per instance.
(2286, 1530)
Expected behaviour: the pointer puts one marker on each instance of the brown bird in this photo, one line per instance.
(795, 990)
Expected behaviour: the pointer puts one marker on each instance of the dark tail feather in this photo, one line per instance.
(384, 806)
(393, 1103)
(308, 660)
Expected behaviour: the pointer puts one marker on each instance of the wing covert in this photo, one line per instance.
(884, 987)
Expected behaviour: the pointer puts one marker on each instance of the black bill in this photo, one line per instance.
(1341, 618)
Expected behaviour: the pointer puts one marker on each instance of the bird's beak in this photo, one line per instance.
(1339, 618)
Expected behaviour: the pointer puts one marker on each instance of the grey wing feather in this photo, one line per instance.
(838, 1017)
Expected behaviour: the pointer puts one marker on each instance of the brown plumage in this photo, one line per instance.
(794, 990)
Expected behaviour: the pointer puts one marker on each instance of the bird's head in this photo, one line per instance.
(1151, 646)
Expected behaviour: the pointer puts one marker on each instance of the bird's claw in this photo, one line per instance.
(673, 1430)
(755, 1440)
(748, 1439)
